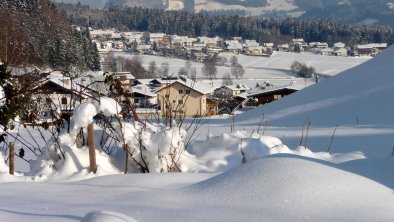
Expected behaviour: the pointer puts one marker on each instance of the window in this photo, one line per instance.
(167, 96)
(167, 106)
(180, 101)
(187, 91)
(173, 101)
(136, 101)
(180, 91)
(48, 100)
(64, 100)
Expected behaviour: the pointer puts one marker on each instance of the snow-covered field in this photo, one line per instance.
(279, 180)
(258, 67)
(285, 6)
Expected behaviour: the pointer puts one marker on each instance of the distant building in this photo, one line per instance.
(184, 97)
(232, 90)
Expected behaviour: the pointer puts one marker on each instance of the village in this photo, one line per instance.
(186, 96)
(199, 48)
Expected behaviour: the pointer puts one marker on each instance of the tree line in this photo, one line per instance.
(226, 26)
(33, 32)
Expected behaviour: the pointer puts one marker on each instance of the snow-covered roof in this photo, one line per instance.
(144, 47)
(251, 43)
(125, 74)
(200, 87)
(283, 45)
(327, 50)
(340, 50)
(156, 35)
(339, 45)
(293, 85)
(143, 89)
(372, 45)
(237, 87)
(207, 40)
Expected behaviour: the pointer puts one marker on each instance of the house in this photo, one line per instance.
(105, 46)
(209, 42)
(58, 96)
(268, 45)
(255, 51)
(301, 43)
(250, 43)
(371, 49)
(339, 45)
(118, 45)
(245, 105)
(283, 47)
(233, 46)
(231, 90)
(318, 45)
(185, 97)
(156, 37)
(183, 41)
(327, 51)
(214, 50)
(267, 93)
(126, 78)
(199, 56)
(105, 34)
(340, 52)
(143, 97)
(144, 49)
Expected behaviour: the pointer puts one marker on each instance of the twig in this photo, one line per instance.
(307, 133)
(332, 139)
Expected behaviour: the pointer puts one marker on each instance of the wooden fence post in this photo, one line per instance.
(92, 149)
(12, 158)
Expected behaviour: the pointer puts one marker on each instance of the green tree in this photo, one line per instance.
(15, 96)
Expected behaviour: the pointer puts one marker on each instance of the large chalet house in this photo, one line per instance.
(267, 93)
(186, 98)
(57, 96)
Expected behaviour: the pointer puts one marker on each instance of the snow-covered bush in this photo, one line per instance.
(148, 147)
(155, 147)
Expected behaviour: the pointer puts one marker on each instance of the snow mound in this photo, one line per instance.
(106, 216)
(229, 150)
(285, 188)
(108, 106)
(83, 115)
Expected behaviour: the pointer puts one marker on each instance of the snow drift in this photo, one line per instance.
(289, 188)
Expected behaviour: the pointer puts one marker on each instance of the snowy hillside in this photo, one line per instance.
(359, 101)
(363, 92)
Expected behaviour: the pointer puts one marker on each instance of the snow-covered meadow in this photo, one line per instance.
(253, 168)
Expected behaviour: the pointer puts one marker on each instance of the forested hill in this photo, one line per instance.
(201, 24)
(33, 32)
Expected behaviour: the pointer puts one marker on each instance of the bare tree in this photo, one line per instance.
(237, 71)
(302, 70)
(164, 69)
(152, 70)
(193, 73)
(227, 80)
(134, 66)
(233, 60)
(209, 68)
(182, 71)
